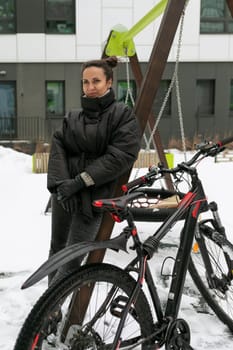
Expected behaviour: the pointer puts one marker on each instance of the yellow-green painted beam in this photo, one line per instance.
(121, 43)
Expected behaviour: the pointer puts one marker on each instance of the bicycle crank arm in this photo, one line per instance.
(69, 253)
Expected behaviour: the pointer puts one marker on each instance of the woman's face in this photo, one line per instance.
(94, 82)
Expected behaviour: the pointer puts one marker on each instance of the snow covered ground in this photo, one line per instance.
(25, 235)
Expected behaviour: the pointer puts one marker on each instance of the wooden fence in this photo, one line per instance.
(145, 159)
(40, 162)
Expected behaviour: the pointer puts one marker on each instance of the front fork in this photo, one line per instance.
(217, 234)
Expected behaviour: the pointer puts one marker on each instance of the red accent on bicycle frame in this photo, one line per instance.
(144, 269)
(116, 218)
(118, 344)
(124, 188)
(198, 203)
(195, 210)
(98, 204)
(34, 344)
(134, 231)
(187, 199)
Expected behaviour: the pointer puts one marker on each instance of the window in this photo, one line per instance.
(124, 91)
(55, 98)
(205, 96)
(231, 97)
(215, 17)
(161, 93)
(60, 16)
(7, 16)
(7, 108)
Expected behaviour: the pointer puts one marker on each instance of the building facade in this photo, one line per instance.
(44, 42)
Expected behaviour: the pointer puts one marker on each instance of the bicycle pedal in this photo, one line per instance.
(118, 305)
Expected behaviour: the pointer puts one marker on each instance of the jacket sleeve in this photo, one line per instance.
(57, 165)
(121, 151)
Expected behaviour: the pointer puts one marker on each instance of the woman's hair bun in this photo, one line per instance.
(112, 61)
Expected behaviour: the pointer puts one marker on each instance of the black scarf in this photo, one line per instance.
(93, 106)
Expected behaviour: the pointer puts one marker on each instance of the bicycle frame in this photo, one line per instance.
(193, 203)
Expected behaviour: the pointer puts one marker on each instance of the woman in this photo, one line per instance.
(95, 146)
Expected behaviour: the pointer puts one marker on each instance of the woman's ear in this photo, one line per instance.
(109, 83)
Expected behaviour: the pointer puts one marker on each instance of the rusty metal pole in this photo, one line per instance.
(136, 69)
(230, 6)
(143, 108)
(158, 60)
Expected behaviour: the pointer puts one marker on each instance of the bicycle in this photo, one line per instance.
(115, 309)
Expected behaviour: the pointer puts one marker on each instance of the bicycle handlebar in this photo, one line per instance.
(205, 149)
(225, 141)
(143, 180)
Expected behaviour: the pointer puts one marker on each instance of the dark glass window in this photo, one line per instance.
(205, 96)
(55, 98)
(7, 108)
(231, 97)
(7, 16)
(60, 16)
(215, 17)
(124, 91)
(160, 95)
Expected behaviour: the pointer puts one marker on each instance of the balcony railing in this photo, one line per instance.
(29, 128)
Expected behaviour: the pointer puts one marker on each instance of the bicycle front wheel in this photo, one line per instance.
(218, 289)
(107, 288)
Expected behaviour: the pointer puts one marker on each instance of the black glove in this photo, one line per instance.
(70, 205)
(69, 187)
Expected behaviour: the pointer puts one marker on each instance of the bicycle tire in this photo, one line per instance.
(219, 301)
(33, 334)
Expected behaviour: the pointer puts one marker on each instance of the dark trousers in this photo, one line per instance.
(69, 229)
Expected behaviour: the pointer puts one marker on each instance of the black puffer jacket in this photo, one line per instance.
(103, 140)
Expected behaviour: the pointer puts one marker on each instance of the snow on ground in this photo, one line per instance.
(25, 235)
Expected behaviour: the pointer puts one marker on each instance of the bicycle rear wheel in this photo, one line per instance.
(108, 288)
(219, 297)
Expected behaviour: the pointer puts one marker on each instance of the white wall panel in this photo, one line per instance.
(60, 48)
(191, 29)
(143, 52)
(214, 48)
(30, 47)
(230, 47)
(89, 22)
(89, 52)
(8, 46)
(118, 3)
(188, 53)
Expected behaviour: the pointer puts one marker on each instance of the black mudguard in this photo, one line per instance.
(69, 253)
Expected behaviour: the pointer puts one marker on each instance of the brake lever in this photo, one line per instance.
(213, 152)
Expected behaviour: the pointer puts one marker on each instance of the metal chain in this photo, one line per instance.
(129, 92)
(180, 114)
(175, 81)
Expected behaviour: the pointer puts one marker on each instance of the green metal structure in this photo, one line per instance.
(120, 42)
